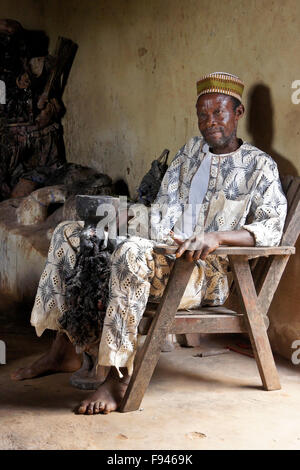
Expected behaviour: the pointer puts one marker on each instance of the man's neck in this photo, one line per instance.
(228, 147)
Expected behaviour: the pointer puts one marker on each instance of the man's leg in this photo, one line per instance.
(60, 358)
(50, 304)
(208, 284)
(134, 270)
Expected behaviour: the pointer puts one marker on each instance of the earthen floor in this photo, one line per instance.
(192, 403)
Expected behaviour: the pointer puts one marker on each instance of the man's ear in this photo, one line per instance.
(239, 111)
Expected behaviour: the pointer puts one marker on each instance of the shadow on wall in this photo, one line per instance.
(260, 126)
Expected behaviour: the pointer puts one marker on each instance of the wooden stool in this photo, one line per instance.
(254, 286)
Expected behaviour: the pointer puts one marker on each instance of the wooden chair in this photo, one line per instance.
(253, 289)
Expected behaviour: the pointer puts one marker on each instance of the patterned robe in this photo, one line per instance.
(244, 191)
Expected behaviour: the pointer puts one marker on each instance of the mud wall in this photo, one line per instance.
(132, 88)
(30, 13)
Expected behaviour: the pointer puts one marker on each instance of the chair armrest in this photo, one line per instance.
(250, 251)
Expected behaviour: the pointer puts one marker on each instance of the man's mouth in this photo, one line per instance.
(213, 132)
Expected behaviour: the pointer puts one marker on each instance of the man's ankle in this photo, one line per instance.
(114, 374)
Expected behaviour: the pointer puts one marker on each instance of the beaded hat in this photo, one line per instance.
(221, 82)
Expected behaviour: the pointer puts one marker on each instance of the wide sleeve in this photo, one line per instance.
(268, 208)
(166, 208)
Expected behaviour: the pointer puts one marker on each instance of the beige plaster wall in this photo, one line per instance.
(132, 87)
(131, 91)
(30, 13)
(285, 309)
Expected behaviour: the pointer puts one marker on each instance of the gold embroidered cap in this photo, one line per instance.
(221, 82)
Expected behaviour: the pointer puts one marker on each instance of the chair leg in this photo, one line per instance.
(255, 323)
(161, 325)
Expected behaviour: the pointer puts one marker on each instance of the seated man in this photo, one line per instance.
(236, 198)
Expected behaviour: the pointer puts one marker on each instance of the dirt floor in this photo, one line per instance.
(192, 403)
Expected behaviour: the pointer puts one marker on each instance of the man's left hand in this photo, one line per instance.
(198, 246)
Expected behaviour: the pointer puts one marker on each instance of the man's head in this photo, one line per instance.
(218, 117)
(219, 109)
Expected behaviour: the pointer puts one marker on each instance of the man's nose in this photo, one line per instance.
(211, 122)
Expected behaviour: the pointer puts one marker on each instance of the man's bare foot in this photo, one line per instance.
(109, 395)
(61, 358)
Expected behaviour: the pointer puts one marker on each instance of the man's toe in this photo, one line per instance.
(101, 406)
(82, 408)
(20, 373)
(97, 408)
(109, 408)
(90, 409)
(15, 374)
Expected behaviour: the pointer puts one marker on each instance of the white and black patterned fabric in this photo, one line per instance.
(244, 191)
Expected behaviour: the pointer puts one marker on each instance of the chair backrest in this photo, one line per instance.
(291, 187)
(260, 266)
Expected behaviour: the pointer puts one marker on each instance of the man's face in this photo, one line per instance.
(217, 120)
